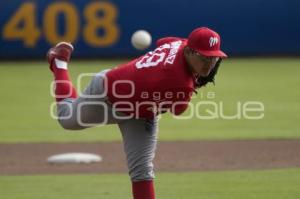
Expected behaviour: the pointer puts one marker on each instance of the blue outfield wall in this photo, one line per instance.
(104, 28)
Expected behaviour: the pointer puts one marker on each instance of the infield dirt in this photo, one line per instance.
(28, 159)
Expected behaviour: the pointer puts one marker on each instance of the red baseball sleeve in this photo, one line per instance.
(179, 108)
(182, 102)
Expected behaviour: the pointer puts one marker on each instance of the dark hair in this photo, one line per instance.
(202, 81)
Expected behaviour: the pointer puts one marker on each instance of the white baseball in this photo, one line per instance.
(141, 39)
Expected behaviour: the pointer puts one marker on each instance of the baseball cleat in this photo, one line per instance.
(61, 51)
(69, 45)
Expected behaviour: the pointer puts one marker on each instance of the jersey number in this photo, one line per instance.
(153, 58)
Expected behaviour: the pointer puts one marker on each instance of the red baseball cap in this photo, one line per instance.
(206, 42)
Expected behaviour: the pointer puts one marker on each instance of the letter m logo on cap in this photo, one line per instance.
(213, 41)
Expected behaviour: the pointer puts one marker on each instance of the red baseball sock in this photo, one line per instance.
(63, 86)
(143, 190)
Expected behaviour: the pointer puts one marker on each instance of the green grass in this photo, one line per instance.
(268, 184)
(25, 102)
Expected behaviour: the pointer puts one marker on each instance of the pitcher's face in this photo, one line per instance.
(201, 65)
